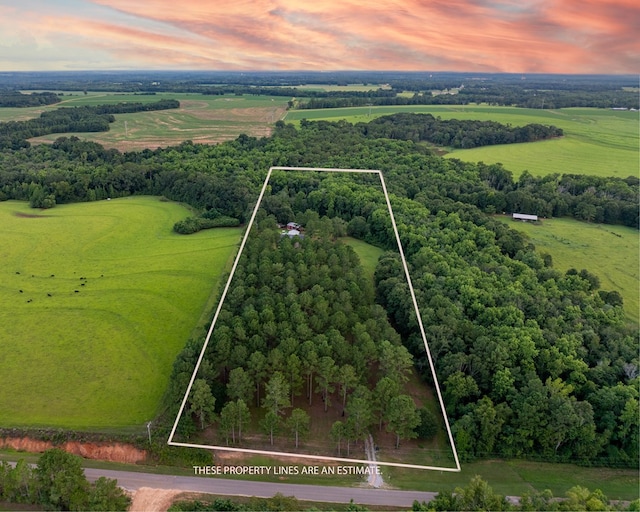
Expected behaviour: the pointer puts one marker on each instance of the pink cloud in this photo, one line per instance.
(564, 36)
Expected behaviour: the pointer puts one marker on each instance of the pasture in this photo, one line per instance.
(611, 252)
(96, 301)
(596, 141)
(201, 118)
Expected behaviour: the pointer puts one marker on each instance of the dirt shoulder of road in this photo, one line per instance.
(147, 499)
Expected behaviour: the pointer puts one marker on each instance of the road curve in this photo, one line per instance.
(213, 485)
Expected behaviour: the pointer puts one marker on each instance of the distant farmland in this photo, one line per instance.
(596, 141)
(96, 301)
(200, 118)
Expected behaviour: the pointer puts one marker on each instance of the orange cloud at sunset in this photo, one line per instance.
(556, 36)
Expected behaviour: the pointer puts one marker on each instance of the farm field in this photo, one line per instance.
(200, 118)
(78, 99)
(96, 301)
(596, 141)
(611, 252)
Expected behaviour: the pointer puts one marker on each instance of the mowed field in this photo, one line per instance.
(200, 118)
(367, 253)
(96, 301)
(596, 141)
(610, 252)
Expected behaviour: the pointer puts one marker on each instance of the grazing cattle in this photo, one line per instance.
(20, 291)
(76, 291)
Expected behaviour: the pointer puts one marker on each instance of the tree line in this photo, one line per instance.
(540, 96)
(35, 99)
(455, 133)
(478, 495)
(468, 96)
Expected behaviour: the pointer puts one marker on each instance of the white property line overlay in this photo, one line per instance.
(171, 442)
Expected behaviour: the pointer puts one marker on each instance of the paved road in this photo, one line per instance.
(214, 485)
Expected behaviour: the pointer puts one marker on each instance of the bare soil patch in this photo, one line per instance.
(113, 452)
(147, 499)
(257, 114)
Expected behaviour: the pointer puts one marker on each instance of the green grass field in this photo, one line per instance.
(96, 301)
(611, 252)
(596, 141)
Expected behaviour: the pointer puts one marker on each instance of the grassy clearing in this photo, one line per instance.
(96, 301)
(610, 252)
(367, 253)
(597, 141)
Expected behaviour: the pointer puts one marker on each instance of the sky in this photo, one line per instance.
(516, 36)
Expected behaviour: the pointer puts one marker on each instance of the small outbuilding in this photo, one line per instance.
(525, 217)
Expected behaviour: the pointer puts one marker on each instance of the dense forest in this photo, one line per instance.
(534, 362)
(14, 134)
(299, 326)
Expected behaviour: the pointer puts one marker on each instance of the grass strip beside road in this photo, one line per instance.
(506, 477)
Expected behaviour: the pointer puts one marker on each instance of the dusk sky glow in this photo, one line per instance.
(520, 36)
